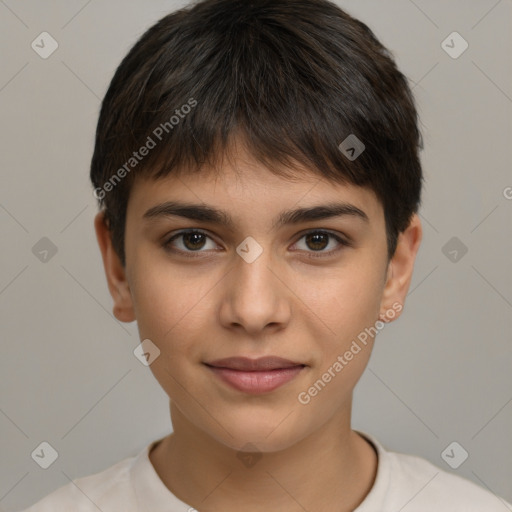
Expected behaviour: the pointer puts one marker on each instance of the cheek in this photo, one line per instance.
(167, 301)
(346, 307)
(171, 312)
(349, 307)
(174, 310)
(344, 302)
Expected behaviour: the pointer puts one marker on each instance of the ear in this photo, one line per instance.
(115, 272)
(400, 270)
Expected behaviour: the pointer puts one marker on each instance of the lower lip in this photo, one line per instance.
(257, 381)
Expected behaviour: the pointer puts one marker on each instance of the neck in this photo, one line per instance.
(332, 469)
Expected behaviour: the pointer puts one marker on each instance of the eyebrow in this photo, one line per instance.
(205, 213)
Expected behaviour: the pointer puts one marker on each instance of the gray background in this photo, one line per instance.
(441, 373)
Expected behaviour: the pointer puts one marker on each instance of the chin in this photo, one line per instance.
(262, 435)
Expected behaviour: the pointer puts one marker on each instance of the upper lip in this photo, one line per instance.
(259, 364)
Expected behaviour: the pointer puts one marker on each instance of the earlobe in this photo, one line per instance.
(115, 272)
(400, 270)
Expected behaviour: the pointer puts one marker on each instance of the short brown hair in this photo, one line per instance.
(293, 78)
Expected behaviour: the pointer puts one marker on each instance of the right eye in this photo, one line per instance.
(192, 241)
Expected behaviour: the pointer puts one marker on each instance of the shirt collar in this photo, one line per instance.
(153, 496)
(151, 493)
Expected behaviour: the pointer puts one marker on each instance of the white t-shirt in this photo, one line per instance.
(403, 483)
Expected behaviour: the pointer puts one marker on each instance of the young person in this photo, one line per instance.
(256, 165)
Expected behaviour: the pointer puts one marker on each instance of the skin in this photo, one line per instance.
(284, 303)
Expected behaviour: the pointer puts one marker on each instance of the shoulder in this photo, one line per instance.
(442, 489)
(423, 486)
(107, 490)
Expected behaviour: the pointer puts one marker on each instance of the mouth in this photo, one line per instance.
(260, 364)
(255, 376)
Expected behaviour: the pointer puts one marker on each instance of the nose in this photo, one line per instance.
(255, 297)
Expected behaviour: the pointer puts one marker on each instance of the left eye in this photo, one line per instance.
(319, 240)
(192, 241)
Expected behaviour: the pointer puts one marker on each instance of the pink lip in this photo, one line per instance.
(255, 376)
(256, 382)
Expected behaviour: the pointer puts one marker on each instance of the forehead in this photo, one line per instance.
(246, 188)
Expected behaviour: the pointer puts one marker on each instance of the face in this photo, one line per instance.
(300, 287)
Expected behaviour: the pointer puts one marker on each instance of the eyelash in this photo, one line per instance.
(312, 254)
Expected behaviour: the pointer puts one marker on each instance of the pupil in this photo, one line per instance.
(188, 236)
(316, 236)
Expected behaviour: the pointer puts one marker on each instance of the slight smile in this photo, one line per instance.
(255, 376)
